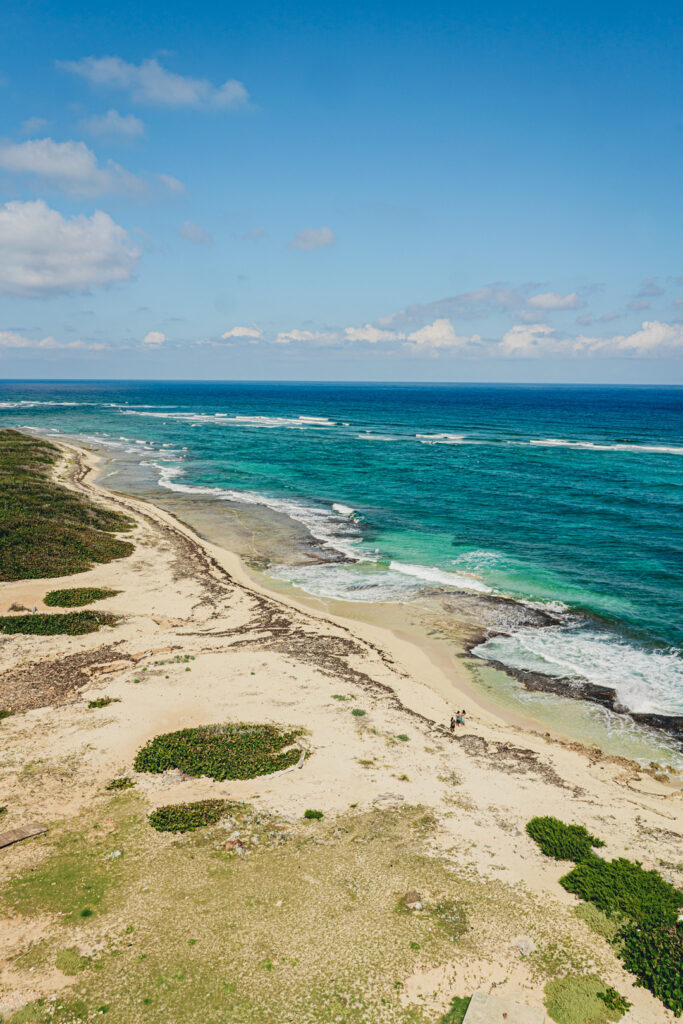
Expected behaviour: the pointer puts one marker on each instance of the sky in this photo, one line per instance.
(342, 191)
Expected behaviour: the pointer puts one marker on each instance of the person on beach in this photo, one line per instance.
(452, 724)
(462, 717)
(458, 720)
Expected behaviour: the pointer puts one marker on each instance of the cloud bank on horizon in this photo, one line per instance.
(157, 211)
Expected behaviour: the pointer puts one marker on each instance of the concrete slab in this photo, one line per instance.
(485, 1009)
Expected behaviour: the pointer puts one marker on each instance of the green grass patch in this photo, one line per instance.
(103, 702)
(623, 887)
(313, 815)
(69, 961)
(121, 782)
(70, 623)
(46, 529)
(457, 1010)
(188, 817)
(402, 736)
(76, 597)
(234, 751)
(575, 1000)
(4, 713)
(358, 712)
(451, 917)
(563, 842)
(599, 922)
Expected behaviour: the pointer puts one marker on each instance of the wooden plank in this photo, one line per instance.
(15, 835)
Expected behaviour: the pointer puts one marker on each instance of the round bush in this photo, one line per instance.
(235, 751)
(187, 817)
(76, 597)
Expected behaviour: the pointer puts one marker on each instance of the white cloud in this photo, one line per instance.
(195, 233)
(33, 125)
(438, 335)
(369, 333)
(285, 337)
(171, 183)
(114, 124)
(243, 332)
(312, 238)
(653, 338)
(649, 289)
(13, 339)
(493, 298)
(149, 83)
(154, 338)
(44, 253)
(70, 166)
(525, 340)
(554, 300)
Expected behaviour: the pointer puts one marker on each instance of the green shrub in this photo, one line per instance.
(49, 530)
(563, 842)
(599, 922)
(75, 597)
(456, 1013)
(358, 712)
(235, 751)
(575, 1000)
(402, 736)
(655, 955)
(313, 815)
(613, 1001)
(71, 623)
(188, 817)
(122, 782)
(103, 702)
(623, 887)
(69, 961)
(4, 713)
(3, 810)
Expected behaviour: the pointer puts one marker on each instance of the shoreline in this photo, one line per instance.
(231, 651)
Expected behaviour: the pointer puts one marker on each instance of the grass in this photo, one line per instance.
(76, 597)
(69, 623)
(70, 961)
(188, 817)
(234, 751)
(599, 922)
(574, 1000)
(103, 702)
(560, 841)
(47, 529)
(4, 713)
(358, 712)
(456, 1012)
(121, 782)
(313, 815)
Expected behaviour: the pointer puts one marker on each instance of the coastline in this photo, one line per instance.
(255, 656)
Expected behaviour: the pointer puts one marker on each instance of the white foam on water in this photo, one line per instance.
(378, 437)
(644, 681)
(440, 438)
(347, 582)
(343, 510)
(223, 419)
(558, 442)
(26, 404)
(443, 578)
(332, 529)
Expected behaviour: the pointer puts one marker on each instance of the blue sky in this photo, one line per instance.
(342, 191)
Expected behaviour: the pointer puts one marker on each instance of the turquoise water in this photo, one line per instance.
(568, 498)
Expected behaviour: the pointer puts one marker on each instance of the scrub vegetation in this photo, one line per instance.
(57, 624)
(46, 529)
(76, 597)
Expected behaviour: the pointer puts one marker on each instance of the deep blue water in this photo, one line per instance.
(569, 496)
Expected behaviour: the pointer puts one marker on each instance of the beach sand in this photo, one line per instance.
(260, 656)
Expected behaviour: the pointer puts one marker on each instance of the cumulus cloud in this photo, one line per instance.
(44, 253)
(649, 289)
(195, 233)
(70, 166)
(13, 340)
(653, 338)
(369, 333)
(148, 82)
(439, 335)
(313, 238)
(114, 124)
(33, 125)
(154, 338)
(171, 183)
(286, 337)
(493, 298)
(243, 332)
(554, 300)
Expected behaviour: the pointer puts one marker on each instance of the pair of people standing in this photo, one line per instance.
(458, 719)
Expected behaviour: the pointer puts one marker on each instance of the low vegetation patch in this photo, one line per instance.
(234, 751)
(457, 1010)
(70, 623)
(576, 1000)
(650, 942)
(313, 815)
(103, 702)
(122, 782)
(75, 597)
(4, 713)
(70, 961)
(358, 712)
(188, 817)
(563, 842)
(47, 529)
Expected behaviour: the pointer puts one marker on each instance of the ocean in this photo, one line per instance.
(566, 500)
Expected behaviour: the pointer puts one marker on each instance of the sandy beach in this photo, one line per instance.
(200, 641)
